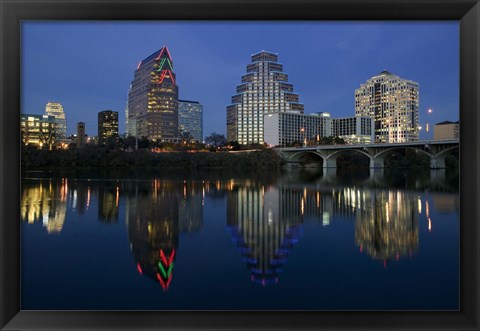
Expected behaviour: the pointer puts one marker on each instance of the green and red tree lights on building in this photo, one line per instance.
(165, 63)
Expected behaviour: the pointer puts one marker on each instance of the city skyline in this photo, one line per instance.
(328, 61)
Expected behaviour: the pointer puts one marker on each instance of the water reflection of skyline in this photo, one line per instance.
(45, 202)
(264, 237)
(156, 214)
(386, 224)
(152, 221)
(264, 220)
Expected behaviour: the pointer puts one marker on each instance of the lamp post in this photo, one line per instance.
(427, 126)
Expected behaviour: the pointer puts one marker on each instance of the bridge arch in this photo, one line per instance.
(447, 150)
(378, 159)
(338, 153)
(434, 150)
(297, 156)
(391, 150)
(331, 158)
(438, 159)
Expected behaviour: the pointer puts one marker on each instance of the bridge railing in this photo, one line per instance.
(372, 145)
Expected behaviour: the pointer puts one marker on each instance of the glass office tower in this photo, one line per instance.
(264, 89)
(153, 98)
(107, 126)
(393, 102)
(190, 119)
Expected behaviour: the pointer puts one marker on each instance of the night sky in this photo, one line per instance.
(88, 66)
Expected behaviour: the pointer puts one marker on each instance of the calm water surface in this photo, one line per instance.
(296, 240)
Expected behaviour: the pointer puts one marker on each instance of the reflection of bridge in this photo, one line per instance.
(435, 150)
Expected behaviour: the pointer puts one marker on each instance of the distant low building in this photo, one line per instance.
(354, 130)
(38, 130)
(446, 130)
(283, 129)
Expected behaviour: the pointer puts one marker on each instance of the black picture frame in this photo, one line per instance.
(13, 12)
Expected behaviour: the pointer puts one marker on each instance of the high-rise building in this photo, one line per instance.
(107, 125)
(55, 109)
(38, 130)
(393, 102)
(153, 98)
(190, 119)
(80, 134)
(130, 124)
(264, 89)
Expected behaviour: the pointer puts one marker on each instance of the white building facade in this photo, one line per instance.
(285, 129)
(354, 130)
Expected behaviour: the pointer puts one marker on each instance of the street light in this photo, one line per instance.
(427, 127)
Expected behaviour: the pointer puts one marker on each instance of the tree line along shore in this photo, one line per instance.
(92, 156)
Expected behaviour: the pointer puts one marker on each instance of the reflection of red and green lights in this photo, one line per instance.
(165, 267)
(162, 268)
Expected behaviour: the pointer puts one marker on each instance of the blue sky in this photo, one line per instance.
(88, 66)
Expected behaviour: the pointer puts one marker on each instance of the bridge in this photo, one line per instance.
(436, 150)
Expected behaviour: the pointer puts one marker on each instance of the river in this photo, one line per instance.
(291, 240)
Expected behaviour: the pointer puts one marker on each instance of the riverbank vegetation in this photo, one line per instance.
(92, 156)
(217, 154)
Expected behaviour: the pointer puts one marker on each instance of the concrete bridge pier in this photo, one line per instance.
(376, 175)
(329, 162)
(329, 174)
(377, 162)
(437, 162)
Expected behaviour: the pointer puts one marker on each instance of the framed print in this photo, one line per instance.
(239, 165)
